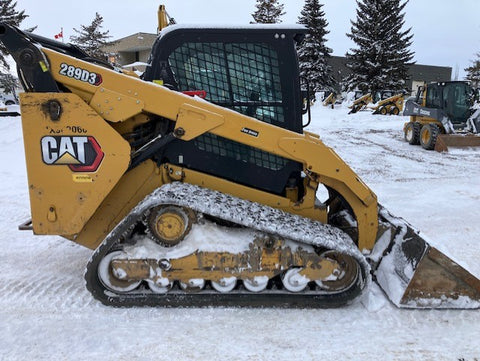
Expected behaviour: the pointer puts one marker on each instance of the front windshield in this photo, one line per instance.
(458, 99)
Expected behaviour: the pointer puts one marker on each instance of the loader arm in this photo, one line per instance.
(195, 117)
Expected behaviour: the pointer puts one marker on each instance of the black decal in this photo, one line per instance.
(249, 131)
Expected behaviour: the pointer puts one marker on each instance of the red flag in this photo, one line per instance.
(59, 35)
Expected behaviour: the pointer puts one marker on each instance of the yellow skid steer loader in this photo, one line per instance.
(204, 202)
(388, 104)
(330, 100)
(360, 103)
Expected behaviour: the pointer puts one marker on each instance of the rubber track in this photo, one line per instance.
(248, 214)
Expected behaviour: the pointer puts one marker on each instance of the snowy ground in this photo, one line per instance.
(47, 314)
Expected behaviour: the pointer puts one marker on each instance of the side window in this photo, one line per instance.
(242, 77)
(198, 66)
(433, 97)
(255, 78)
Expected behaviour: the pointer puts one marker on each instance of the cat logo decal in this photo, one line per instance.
(80, 154)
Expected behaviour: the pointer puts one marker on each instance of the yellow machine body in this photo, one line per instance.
(121, 99)
(360, 103)
(391, 105)
(330, 100)
(65, 192)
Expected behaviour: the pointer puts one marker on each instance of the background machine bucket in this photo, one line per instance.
(415, 274)
(446, 141)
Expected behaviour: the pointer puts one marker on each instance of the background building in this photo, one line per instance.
(417, 73)
(131, 49)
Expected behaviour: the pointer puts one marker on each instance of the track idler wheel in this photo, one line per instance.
(346, 275)
(168, 225)
(160, 285)
(193, 285)
(112, 278)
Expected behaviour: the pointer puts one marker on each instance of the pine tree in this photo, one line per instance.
(313, 54)
(381, 58)
(91, 38)
(473, 72)
(10, 16)
(268, 12)
(9, 84)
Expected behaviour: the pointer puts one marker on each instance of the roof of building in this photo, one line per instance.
(132, 43)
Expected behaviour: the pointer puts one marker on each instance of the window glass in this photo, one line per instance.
(198, 66)
(433, 97)
(456, 100)
(243, 77)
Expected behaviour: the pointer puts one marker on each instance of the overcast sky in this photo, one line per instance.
(446, 32)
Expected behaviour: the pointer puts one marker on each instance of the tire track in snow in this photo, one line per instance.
(57, 291)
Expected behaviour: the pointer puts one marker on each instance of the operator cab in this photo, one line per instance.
(454, 98)
(252, 70)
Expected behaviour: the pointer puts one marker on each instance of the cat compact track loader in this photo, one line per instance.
(210, 200)
(442, 115)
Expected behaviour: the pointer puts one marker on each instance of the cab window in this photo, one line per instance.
(244, 77)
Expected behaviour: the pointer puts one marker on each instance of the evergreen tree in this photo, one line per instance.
(313, 54)
(473, 72)
(10, 16)
(268, 12)
(9, 84)
(91, 38)
(381, 58)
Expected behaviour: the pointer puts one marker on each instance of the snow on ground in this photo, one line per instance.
(47, 314)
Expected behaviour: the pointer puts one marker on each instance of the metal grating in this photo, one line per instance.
(226, 148)
(243, 77)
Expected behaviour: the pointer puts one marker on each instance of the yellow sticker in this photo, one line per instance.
(43, 66)
(158, 81)
(82, 178)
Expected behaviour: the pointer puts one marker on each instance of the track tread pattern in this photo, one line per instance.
(248, 214)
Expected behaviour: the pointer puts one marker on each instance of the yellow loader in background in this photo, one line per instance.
(330, 100)
(386, 102)
(205, 202)
(360, 103)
